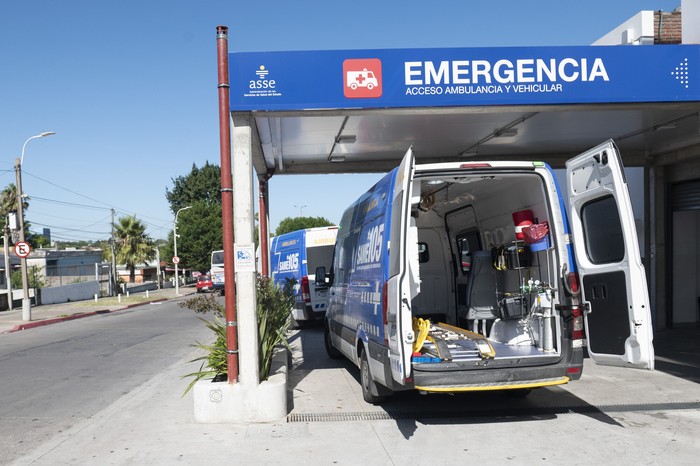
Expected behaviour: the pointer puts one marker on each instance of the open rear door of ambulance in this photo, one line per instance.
(402, 286)
(613, 282)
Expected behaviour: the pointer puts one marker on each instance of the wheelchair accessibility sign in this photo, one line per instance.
(244, 257)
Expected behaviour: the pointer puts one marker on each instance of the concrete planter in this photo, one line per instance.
(220, 402)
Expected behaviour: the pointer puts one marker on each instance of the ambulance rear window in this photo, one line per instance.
(602, 230)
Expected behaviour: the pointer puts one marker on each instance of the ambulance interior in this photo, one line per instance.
(478, 274)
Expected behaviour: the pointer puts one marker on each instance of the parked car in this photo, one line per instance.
(204, 283)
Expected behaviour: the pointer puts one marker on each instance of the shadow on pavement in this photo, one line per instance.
(409, 408)
(678, 352)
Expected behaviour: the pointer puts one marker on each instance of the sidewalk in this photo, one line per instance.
(152, 424)
(653, 416)
(11, 321)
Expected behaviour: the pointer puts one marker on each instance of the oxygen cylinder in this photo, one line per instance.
(521, 219)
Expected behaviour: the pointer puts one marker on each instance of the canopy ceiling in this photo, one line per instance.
(375, 140)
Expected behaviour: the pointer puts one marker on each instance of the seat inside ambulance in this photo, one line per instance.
(482, 298)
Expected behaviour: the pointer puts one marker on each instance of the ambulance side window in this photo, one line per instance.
(602, 230)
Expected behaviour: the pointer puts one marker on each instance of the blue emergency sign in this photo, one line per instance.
(447, 77)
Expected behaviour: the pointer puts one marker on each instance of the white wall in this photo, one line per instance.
(72, 292)
(690, 21)
(638, 30)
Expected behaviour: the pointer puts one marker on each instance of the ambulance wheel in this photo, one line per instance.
(370, 391)
(332, 351)
(519, 392)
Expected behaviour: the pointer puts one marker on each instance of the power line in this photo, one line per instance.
(69, 229)
(153, 226)
(54, 201)
(88, 197)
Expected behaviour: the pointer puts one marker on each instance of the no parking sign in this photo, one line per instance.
(22, 249)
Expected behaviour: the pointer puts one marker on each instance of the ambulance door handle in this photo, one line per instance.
(599, 292)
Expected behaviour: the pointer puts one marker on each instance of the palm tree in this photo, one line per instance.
(133, 245)
(8, 203)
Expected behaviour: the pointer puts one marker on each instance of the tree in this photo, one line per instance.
(8, 203)
(133, 246)
(199, 229)
(199, 233)
(34, 278)
(201, 184)
(299, 223)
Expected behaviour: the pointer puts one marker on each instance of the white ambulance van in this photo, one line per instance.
(464, 276)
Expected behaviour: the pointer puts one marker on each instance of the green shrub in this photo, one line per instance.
(274, 305)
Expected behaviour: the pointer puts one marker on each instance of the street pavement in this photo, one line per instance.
(611, 415)
(12, 321)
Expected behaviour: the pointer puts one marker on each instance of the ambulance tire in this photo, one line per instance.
(370, 391)
(519, 392)
(332, 351)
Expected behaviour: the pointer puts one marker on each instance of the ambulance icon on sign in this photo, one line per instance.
(363, 78)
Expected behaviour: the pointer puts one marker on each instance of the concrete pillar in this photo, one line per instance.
(243, 231)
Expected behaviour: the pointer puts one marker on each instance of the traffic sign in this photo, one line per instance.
(22, 249)
(176, 260)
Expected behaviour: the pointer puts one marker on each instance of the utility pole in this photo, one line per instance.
(113, 282)
(26, 303)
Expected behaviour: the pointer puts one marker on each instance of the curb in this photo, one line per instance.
(56, 320)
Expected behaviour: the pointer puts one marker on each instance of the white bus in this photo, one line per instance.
(217, 270)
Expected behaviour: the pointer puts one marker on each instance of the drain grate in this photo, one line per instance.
(329, 417)
(491, 412)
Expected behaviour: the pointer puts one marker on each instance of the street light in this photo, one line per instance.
(177, 259)
(26, 303)
(301, 209)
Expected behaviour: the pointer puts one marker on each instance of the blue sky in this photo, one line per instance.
(130, 89)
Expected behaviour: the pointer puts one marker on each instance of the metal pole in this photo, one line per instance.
(264, 249)
(26, 303)
(301, 209)
(158, 267)
(8, 269)
(227, 204)
(177, 285)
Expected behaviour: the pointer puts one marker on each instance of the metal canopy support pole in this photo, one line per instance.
(264, 222)
(227, 204)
